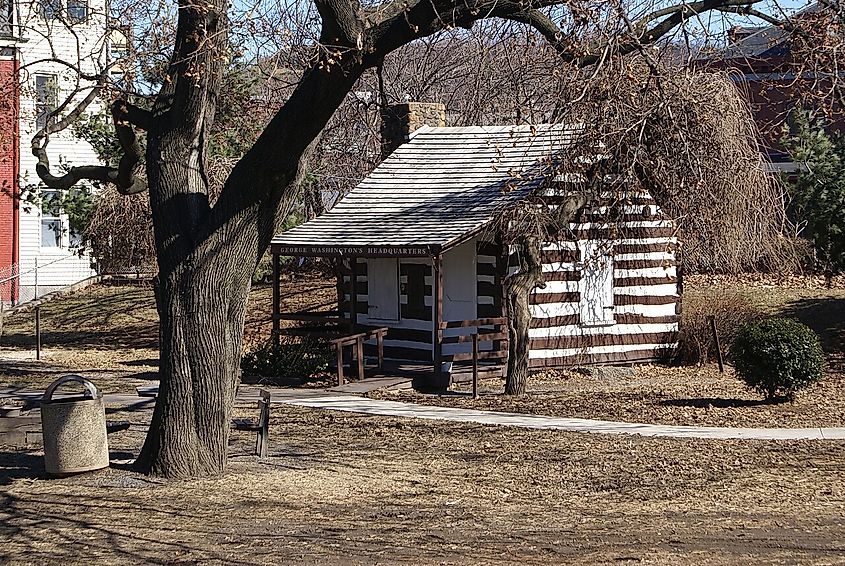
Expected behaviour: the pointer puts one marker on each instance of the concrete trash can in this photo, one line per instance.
(74, 429)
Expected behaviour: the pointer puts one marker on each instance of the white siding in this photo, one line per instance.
(83, 46)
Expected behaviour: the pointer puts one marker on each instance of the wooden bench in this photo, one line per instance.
(261, 426)
(356, 341)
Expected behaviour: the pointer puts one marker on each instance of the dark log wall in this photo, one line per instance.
(646, 290)
(488, 280)
(411, 337)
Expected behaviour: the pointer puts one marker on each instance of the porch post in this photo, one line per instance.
(276, 334)
(353, 294)
(438, 318)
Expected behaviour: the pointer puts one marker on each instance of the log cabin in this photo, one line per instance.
(416, 253)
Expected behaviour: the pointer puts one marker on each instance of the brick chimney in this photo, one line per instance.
(398, 121)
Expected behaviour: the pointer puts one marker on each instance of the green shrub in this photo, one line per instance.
(292, 359)
(731, 311)
(264, 270)
(777, 356)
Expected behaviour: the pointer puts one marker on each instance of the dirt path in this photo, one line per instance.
(366, 490)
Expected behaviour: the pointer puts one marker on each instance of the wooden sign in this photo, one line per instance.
(353, 251)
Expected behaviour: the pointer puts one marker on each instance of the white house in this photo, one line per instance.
(47, 47)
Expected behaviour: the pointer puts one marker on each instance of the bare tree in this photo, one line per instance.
(207, 249)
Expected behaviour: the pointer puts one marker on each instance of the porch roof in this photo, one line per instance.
(441, 187)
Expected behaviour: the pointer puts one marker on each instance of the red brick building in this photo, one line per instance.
(775, 79)
(9, 178)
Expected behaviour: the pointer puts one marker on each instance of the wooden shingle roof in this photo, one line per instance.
(434, 191)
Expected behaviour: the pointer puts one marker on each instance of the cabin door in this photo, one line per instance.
(383, 289)
(596, 285)
(460, 292)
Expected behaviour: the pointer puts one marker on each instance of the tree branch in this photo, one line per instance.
(399, 22)
(125, 177)
(749, 11)
(342, 24)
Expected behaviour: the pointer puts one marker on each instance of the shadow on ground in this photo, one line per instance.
(20, 464)
(101, 316)
(719, 403)
(826, 316)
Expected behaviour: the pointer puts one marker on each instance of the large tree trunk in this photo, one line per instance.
(201, 311)
(207, 253)
(518, 295)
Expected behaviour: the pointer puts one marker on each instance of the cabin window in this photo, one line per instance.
(383, 289)
(596, 286)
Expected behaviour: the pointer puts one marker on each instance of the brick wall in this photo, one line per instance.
(9, 163)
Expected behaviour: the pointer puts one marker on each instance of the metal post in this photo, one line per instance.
(475, 365)
(718, 345)
(37, 332)
(37, 315)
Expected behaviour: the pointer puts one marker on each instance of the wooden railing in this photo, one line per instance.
(486, 330)
(332, 325)
(357, 343)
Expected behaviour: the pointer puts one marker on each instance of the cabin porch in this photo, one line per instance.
(439, 310)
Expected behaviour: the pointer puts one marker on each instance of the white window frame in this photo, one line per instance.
(50, 216)
(64, 239)
(592, 251)
(46, 98)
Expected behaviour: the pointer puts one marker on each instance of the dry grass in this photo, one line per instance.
(693, 395)
(696, 344)
(342, 488)
(371, 490)
(111, 333)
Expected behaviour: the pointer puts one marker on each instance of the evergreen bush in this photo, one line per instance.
(292, 359)
(777, 357)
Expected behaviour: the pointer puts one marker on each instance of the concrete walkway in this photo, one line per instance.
(321, 399)
(355, 404)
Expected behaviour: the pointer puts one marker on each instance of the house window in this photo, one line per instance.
(52, 9)
(46, 99)
(7, 17)
(51, 219)
(383, 289)
(77, 10)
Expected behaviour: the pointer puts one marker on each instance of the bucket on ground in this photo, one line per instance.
(74, 429)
